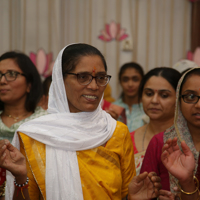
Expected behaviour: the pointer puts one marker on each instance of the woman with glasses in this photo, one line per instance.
(20, 91)
(186, 128)
(77, 151)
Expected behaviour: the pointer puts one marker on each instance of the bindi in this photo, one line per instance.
(94, 69)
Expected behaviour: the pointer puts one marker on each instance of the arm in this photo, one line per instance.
(13, 160)
(181, 165)
(144, 186)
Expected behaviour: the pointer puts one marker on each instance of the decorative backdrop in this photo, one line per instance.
(151, 32)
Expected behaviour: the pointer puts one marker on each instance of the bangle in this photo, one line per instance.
(197, 187)
(21, 186)
(2, 189)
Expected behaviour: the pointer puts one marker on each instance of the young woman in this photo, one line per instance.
(186, 128)
(130, 76)
(20, 92)
(158, 94)
(78, 151)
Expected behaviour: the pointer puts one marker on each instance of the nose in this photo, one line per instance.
(3, 79)
(155, 98)
(93, 84)
(197, 105)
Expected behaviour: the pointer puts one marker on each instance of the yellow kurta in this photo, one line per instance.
(105, 171)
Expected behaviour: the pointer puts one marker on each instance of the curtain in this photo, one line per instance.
(154, 32)
(195, 30)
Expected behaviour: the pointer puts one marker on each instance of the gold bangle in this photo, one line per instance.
(197, 187)
(197, 197)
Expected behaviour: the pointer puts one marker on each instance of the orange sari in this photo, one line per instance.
(105, 171)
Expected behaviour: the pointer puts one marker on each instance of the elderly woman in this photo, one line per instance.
(20, 92)
(78, 151)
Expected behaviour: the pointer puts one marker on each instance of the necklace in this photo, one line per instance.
(16, 118)
(145, 131)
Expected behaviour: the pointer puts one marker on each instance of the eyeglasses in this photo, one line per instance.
(10, 75)
(190, 98)
(85, 78)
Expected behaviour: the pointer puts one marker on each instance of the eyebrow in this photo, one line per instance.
(162, 90)
(86, 72)
(190, 91)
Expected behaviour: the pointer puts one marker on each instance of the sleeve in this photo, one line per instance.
(33, 188)
(127, 162)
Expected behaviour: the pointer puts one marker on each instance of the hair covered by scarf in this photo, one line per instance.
(181, 131)
(64, 133)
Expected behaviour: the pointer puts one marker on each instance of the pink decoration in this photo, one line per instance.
(113, 31)
(43, 62)
(195, 57)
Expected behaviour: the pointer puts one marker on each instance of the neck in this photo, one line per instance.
(130, 100)
(194, 131)
(15, 110)
(157, 126)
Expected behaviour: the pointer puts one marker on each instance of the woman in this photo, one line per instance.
(20, 91)
(186, 128)
(157, 93)
(78, 150)
(130, 76)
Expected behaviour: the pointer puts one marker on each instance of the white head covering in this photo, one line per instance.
(64, 133)
(182, 65)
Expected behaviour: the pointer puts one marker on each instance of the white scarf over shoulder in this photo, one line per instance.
(64, 133)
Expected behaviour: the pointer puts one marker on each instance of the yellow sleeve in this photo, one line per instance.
(127, 162)
(33, 188)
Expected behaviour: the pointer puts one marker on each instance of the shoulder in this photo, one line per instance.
(118, 102)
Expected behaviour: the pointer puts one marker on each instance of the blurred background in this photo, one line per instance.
(152, 33)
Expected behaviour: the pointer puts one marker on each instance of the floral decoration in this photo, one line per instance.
(195, 57)
(113, 31)
(43, 62)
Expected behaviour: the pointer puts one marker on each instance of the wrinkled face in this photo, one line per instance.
(191, 112)
(85, 98)
(158, 99)
(130, 81)
(12, 92)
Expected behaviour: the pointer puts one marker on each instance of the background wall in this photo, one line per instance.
(158, 31)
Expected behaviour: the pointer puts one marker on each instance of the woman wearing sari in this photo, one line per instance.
(186, 128)
(77, 151)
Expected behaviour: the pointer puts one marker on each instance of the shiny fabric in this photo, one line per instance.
(105, 171)
(64, 133)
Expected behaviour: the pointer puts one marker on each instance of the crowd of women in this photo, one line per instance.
(76, 150)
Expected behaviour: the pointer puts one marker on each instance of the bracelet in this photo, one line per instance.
(197, 198)
(197, 187)
(2, 189)
(21, 186)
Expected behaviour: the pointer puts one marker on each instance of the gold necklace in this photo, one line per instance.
(16, 118)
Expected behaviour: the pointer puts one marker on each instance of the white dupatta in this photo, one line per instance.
(64, 133)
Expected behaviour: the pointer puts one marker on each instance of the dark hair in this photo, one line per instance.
(170, 74)
(73, 53)
(195, 71)
(133, 65)
(32, 78)
(46, 84)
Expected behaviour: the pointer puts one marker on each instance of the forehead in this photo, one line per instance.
(9, 64)
(158, 83)
(90, 63)
(192, 83)
(129, 72)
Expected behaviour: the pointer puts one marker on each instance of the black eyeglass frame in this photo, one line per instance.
(182, 96)
(4, 74)
(93, 77)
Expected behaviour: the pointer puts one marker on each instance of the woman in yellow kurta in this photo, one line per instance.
(78, 151)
